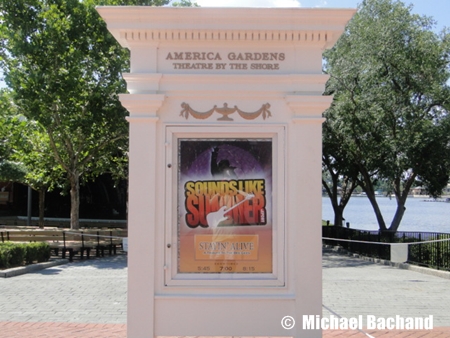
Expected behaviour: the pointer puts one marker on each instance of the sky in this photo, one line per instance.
(438, 9)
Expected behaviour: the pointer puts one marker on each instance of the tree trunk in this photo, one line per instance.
(339, 205)
(398, 216)
(401, 197)
(376, 209)
(338, 215)
(367, 186)
(338, 208)
(333, 195)
(41, 207)
(74, 201)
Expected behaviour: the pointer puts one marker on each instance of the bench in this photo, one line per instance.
(104, 239)
(70, 242)
(66, 242)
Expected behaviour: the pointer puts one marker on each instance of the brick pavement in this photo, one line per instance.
(83, 330)
(61, 330)
(88, 299)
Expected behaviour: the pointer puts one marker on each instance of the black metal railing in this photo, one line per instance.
(435, 254)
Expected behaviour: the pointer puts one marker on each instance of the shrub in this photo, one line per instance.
(31, 253)
(11, 254)
(5, 256)
(17, 254)
(41, 252)
(44, 253)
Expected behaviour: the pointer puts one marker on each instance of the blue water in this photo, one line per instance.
(420, 214)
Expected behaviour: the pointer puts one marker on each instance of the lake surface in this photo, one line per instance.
(420, 214)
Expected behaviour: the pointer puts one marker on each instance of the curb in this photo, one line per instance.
(21, 270)
(404, 266)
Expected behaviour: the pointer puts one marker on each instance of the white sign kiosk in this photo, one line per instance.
(225, 167)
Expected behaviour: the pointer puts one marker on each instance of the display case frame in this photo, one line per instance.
(198, 253)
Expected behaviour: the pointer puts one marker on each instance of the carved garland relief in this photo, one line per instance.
(225, 111)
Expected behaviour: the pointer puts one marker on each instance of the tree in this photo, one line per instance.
(389, 73)
(185, 3)
(128, 2)
(10, 169)
(29, 152)
(32, 150)
(342, 176)
(65, 70)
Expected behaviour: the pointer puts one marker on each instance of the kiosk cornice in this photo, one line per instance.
(142, 107)
(307, 108)
(136, 25)
(303, 37)
(138, 83)
(150, 83)
(261, 24)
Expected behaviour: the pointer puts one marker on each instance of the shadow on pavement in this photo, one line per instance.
(333, 260)
(116, 262)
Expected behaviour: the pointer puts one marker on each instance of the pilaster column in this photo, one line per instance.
(304, 169)
(141, 210)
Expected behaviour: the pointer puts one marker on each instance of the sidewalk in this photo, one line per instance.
(353, 287)
(88, 299)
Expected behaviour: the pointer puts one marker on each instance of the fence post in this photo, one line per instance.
(438, 253)
(379, 245)
(420, 248)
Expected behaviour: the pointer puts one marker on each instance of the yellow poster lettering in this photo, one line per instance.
(236, 203)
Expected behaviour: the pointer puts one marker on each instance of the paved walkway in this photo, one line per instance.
(88, 299)
(353, 287)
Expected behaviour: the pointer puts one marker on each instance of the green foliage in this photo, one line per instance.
(65, 71)
(184, 3)
(389, 119)
(37, 252)
(29, 148)
(434, 255)
(11, 169)
(17, 254)
(12, 254)
(326, 223)
(4, 257)
(128, 2)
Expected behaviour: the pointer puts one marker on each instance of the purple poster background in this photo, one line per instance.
(242, 168)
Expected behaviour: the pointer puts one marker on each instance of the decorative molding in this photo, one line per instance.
(142, 107)
(142, 119)
(308, 108)
(138, 83)
(308, 120)
(225, 111)
(241, 85)
(322, 36)
(141, 25)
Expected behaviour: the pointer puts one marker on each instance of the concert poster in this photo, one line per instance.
(225, 206)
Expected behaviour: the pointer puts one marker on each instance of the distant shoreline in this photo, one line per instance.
(421, 214)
